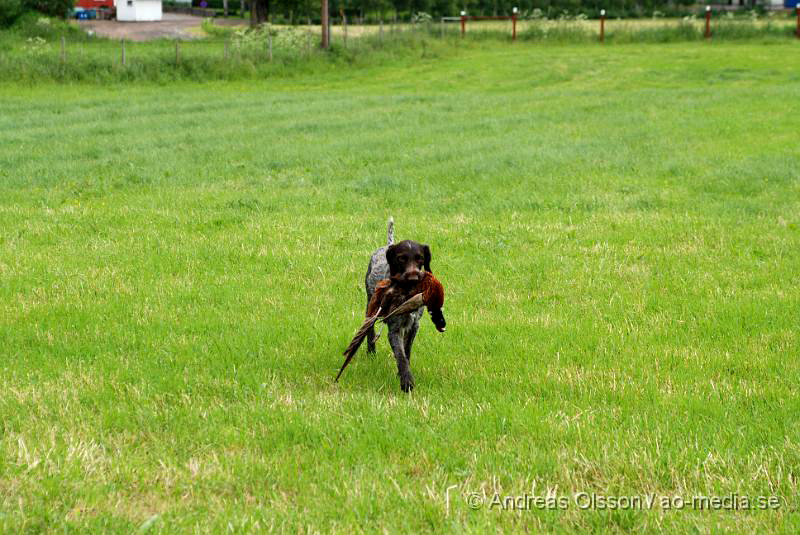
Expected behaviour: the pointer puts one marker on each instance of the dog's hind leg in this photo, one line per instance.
(370, 335)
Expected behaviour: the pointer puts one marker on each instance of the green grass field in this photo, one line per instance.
(37, 50)
(616, 228)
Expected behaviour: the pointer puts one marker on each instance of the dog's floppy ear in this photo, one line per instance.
(426, 251)
(391, 256)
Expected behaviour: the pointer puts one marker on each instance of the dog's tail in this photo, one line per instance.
(390, 232)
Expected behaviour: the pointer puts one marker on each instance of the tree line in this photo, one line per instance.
(371, 11)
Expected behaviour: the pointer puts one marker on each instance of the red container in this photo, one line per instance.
(91, 4)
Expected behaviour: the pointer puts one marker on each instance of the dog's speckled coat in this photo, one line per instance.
(402, 329)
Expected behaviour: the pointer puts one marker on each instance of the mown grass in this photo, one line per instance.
(616, 228)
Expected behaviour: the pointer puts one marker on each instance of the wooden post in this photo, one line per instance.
(325, 28)
(123, 52)
(344, 26)
(708, 22)
(602, 25)
(463, 23)
(63, 50)
(514, 24)
(798, 20)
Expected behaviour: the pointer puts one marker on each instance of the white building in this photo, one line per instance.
(768, 4)
(138, 10)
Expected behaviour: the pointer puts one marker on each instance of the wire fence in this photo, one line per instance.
(228, 53)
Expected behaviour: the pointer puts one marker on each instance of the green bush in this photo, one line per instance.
(213, 30)
(54, 8)
(10, 10)
(33, 25)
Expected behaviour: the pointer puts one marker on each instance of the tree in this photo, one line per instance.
(54, 8)
(259, 12)
(9, 11)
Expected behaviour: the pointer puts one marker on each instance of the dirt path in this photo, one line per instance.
(173, 26)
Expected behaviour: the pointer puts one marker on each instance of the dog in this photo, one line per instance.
(404, 264)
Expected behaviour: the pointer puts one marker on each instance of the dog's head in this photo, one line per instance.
(408, 260)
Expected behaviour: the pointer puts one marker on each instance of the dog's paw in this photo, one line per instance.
(407, 383)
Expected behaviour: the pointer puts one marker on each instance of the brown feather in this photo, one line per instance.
(356, 342)
(432, 291)
(429, 293)
(409, 306)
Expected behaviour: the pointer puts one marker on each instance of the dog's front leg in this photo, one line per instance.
(397, 341)
(410, 335)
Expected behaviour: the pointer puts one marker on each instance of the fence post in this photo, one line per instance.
(441, 28)
(514, 24)
(602, 25)
(63, 50)
(123, 51)
(463, 23)
(708, 22)
(328, 30)
(324, 25)
(344, 27)
(269, 41)
(177, 53)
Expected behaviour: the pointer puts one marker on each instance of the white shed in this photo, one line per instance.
(138, 10)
